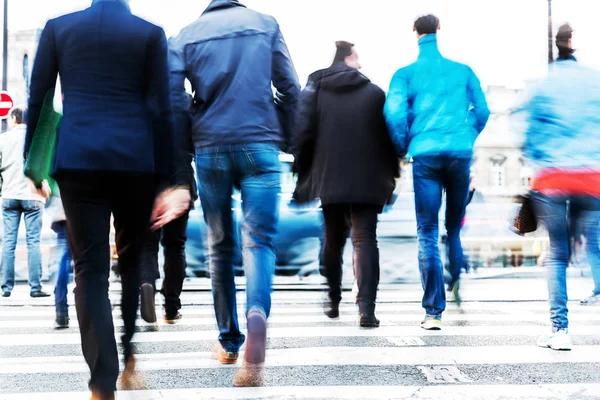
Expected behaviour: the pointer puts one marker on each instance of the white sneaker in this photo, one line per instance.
(591, 300)
(560, 340)
(431, 323)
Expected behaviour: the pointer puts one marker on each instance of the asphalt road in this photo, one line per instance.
(486, 349)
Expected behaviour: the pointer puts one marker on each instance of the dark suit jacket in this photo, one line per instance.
(115, 81)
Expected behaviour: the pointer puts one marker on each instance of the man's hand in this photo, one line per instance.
(170, 205)
(44, 191)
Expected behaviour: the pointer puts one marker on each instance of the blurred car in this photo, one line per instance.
(398, 220)
(297, 244)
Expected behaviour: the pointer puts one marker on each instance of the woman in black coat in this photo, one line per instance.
(344, 157)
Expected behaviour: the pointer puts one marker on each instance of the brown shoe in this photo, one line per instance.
(218, 353)
(132, 379)
(251, 374)
(97, 396)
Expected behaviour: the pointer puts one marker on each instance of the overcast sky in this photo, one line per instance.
(505, 41)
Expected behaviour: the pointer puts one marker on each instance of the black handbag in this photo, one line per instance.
(525, 220)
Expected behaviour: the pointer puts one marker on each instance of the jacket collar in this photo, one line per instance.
(124, 3)
(428, 47)
(571, 58)
(222, 4)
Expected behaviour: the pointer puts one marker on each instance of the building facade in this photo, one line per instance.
(22, 47)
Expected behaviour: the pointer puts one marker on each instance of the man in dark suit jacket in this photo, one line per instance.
(115, 143)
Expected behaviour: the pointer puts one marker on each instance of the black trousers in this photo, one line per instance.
(361, 219)
(89, 200)
(173, 237)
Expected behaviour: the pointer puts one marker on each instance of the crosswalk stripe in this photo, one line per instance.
(307, 297)
(300, 332)
(325, 356)
(281, 309)
(485, 350)
(467, 392)
(320, 318)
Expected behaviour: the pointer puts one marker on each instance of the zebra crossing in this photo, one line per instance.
(486, 350)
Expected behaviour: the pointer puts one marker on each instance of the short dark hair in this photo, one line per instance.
(427, 24)
(565, 33)
(343, 50)
(18, 114)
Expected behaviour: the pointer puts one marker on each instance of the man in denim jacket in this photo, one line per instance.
(233, 57)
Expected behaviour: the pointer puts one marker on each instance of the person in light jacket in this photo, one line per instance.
(562, 142)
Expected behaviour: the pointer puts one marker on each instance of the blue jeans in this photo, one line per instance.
(431, 175)
(554, 214)
(32, 213)
(62, 282)
(254, 170)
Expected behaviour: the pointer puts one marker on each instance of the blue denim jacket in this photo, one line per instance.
(564, 119)
(233, 56)
(435, 106)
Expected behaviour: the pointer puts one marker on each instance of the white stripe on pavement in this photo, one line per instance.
(325, 356)
(303, 332)
(307, 297)
(320, 318)
(446, 392)
(315, 307)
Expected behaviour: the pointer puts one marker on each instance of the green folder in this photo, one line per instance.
(41, 152)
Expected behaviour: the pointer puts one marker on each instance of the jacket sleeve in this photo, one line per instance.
(286, 84)
(396, 113)
(306, 119)
(539, 116)
(43, 79)
(159, 100)
(479, 105)
(181, 102)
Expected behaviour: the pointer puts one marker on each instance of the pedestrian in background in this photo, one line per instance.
(173, 237)
(233, 58)
(18, 200)
(435, 110)
(114, 144)
(563, 143)
(344, 157)
(59, 225)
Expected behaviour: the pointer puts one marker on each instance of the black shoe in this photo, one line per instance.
(62, 322)
(39, 293)
(147, 306)
(172, 319)
(367, 315)
(369, 321)
(6, 293)
(332, 309)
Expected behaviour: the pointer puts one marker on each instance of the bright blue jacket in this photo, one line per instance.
(435, 106)
(564, 119)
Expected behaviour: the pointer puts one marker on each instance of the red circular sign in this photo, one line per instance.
(6, 104)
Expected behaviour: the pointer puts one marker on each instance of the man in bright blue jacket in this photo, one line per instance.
(435, 110)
